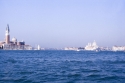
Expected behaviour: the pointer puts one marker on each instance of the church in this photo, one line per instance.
(13, 44)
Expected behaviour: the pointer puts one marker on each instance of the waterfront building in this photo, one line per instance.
(118, 48)
(14, 44)
(104, 48)
(70, 48)
(92, 46)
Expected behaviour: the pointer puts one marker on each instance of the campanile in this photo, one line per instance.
(7, 36)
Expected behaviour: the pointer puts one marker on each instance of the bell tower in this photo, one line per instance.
(7, 36)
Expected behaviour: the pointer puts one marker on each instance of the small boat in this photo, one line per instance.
(77, 50)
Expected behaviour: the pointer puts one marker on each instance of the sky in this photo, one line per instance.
(64, 23)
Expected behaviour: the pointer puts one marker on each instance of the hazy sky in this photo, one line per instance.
(62, 23)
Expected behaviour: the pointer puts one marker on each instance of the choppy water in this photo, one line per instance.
(62, 67)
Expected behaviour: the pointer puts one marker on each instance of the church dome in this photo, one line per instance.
(14, 39)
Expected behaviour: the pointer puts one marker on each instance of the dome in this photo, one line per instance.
(14, 39)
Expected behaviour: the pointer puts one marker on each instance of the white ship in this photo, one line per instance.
(91, 47)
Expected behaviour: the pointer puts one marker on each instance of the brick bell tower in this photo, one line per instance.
(7, 36)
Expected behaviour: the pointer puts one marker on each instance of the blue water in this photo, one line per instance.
(62, 67)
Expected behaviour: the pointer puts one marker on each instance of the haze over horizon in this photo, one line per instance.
(64, 23)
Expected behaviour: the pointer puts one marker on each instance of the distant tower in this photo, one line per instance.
(38, 47)
(7, 36)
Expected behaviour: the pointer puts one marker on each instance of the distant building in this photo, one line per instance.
(91, 47)
(14, 44)
(118, 48)
(105, 49)
(70, 48)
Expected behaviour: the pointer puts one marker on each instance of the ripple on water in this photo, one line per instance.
(61, 67)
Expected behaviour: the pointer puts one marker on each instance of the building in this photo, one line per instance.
(13, 44)
(70, 48)
(91, 47)
(118, 48)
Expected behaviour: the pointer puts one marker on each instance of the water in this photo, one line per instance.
(62, 67)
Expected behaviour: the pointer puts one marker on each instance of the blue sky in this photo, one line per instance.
(62, 23)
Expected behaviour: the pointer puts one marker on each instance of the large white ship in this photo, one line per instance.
(91, 46)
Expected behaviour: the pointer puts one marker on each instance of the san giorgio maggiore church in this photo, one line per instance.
(14, 44)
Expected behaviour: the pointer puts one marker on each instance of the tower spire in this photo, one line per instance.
(7, 36)
(7, 28)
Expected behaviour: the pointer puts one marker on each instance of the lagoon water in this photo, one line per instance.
(62, 67)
